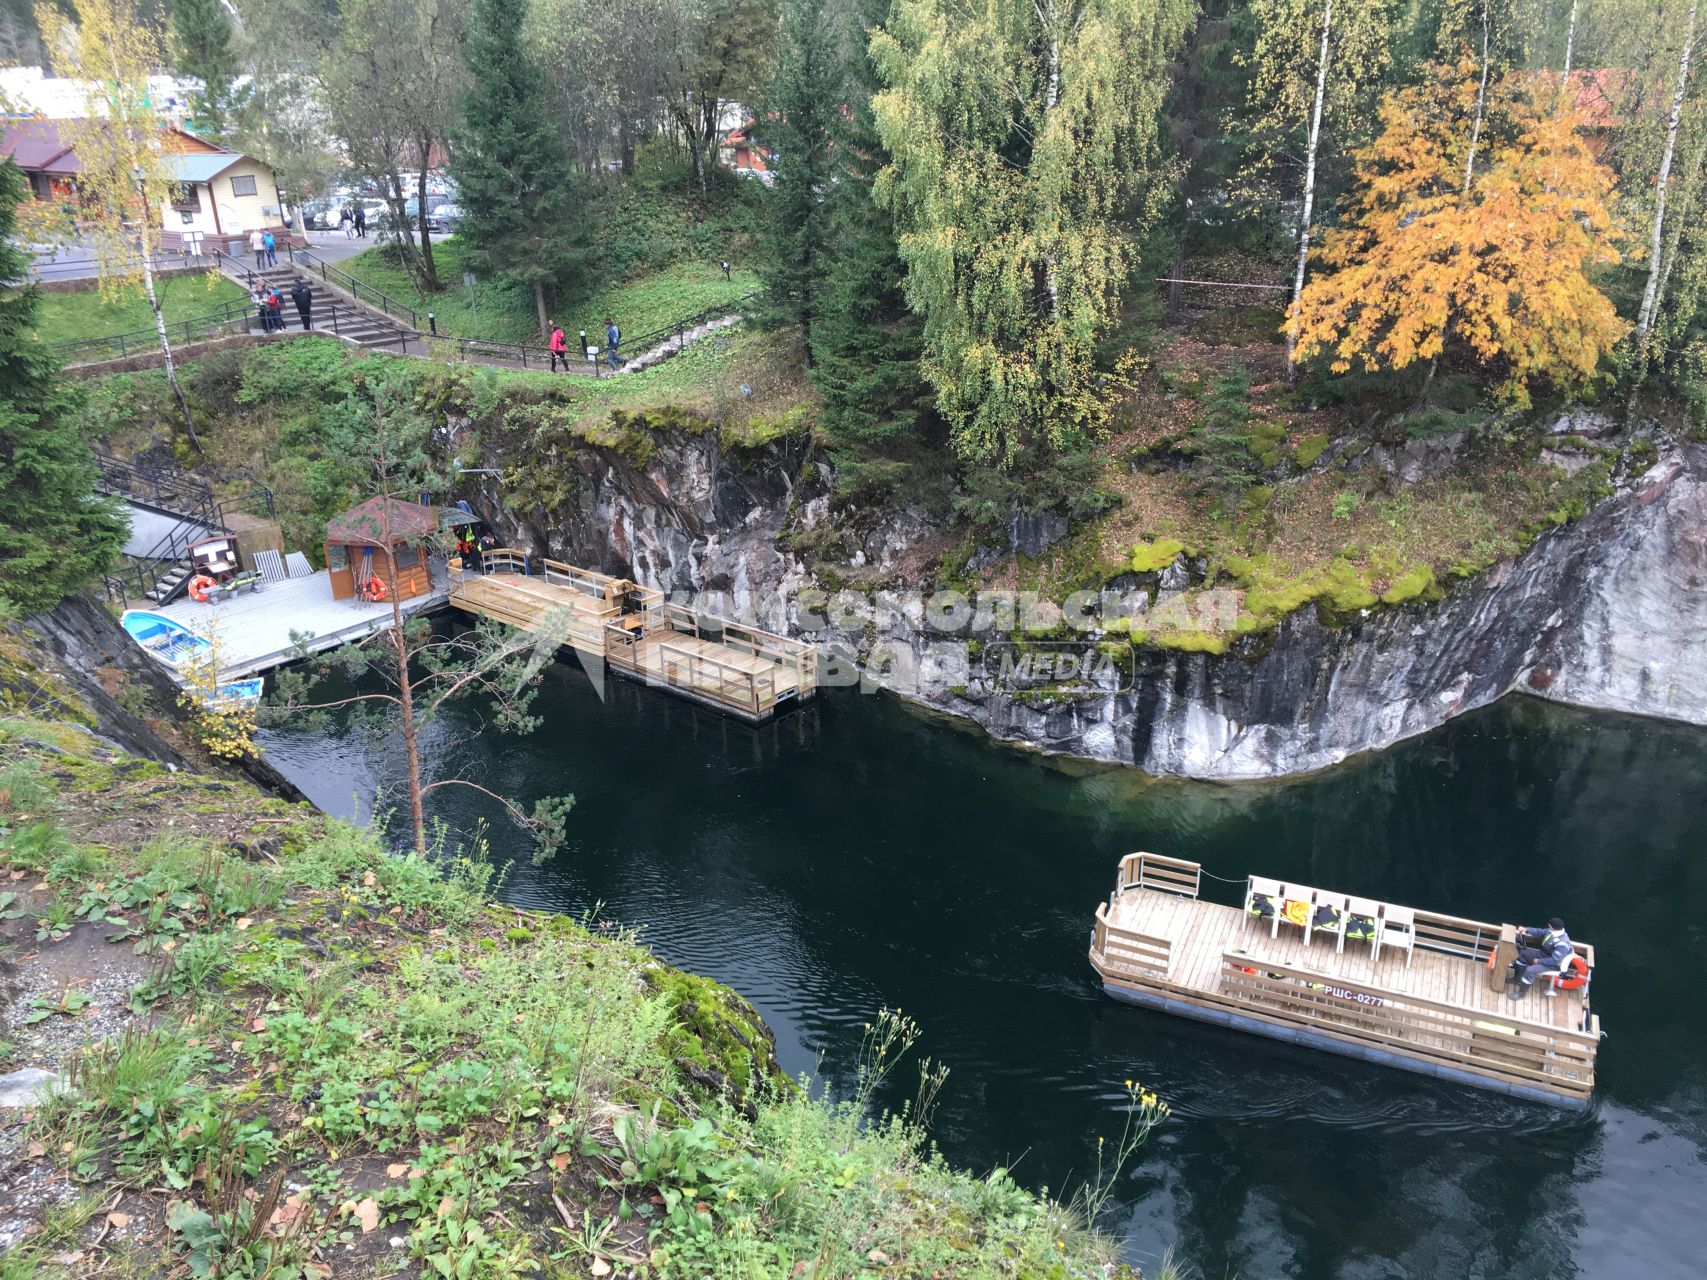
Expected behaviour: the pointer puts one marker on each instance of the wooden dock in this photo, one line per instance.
(1437, 1007)
(254, 630)
(746, 672)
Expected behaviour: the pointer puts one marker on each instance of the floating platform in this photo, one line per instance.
(750, 674)
(1434, 1005)
(253, 630)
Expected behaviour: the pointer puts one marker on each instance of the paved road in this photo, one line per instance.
(72, 262)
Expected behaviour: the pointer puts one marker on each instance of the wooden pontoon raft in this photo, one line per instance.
(1420, 991)
(746, 672)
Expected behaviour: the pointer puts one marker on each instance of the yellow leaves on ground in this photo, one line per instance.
(1501, 267)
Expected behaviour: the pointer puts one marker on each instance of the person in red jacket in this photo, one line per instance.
(559, 348)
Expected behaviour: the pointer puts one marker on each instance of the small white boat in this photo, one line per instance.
(173, 644)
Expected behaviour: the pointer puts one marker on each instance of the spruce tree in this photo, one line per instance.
(866, 343)
(511, 170)
(55, 533)
(201, 49)
(802, 104)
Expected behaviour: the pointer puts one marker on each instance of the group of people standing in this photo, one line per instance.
(559, 345)
(353, 219)
(266, 249)
(269, 305)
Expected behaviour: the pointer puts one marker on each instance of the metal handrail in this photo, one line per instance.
(237, 308)
(172, 490)
(359, 289)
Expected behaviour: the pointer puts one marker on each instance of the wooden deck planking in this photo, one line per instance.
(253, 630)
(733, 678)
(1200, 931)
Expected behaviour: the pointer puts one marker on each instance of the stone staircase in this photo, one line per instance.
(333, 312)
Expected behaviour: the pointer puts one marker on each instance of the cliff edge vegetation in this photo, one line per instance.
(244, 1040)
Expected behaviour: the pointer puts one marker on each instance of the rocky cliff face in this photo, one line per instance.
(1606, 613)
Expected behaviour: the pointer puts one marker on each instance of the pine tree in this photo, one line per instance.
(510, 167)
(201, 48)
(866, 343)
(800, 107)
(55, 533)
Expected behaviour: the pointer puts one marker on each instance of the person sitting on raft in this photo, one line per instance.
(1539, 951)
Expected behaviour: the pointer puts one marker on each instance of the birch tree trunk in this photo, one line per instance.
(165, 342)
(1308, 209)
(1650, 293)
(1052, 98)
(1570, 39)
(1481, 107)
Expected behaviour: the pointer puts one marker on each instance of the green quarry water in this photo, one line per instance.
(855, 855)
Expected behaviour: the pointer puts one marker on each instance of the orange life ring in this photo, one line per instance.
(1577, 967)
(374, 589)
(200, 586)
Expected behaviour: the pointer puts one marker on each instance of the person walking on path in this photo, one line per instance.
(613, 339)
(559, 347)
(272, 248)
(346, 223)
(303, 296)
(258, 243)
(361, 223)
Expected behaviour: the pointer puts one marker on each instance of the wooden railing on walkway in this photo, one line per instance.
(728, 664)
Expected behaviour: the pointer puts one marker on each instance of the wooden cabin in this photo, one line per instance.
(377, 539)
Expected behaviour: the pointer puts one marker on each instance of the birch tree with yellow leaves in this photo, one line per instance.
(1499, 267)
(1024, 168)
(122, 179)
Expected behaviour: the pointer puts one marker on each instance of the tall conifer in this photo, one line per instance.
(511, 168)
(866, 342)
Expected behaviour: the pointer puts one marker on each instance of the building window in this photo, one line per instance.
(244, 186)
(185, 198)
(407, 557)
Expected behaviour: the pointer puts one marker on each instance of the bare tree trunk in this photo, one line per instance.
(1570, 39)
(1650, 293)
(428, 265)
(625, 147)
(406, 701)
(1309, 182)
(165, 342)
(539, 306)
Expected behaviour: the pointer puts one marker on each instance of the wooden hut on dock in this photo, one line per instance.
(377, 541)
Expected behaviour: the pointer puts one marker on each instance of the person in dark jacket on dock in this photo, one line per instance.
(1539, 951)
(303, 296)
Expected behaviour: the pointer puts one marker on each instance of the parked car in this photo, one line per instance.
(413, 210)
(449, 216)
(320, 215)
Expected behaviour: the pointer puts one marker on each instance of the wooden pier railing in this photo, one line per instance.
(1412, 1026)
(728, 664)
(1126, 953)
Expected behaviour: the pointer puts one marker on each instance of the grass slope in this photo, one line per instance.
(71, 317)
(293, 1054)
(502, 312)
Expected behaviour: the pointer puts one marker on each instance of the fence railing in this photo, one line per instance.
(118, 345)
(167, 488)
(357, 289)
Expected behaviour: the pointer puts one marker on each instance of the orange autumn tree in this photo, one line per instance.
(1490, 248)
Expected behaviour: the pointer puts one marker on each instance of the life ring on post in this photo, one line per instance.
(373, 589)
(1577, 968)
(200, 587)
